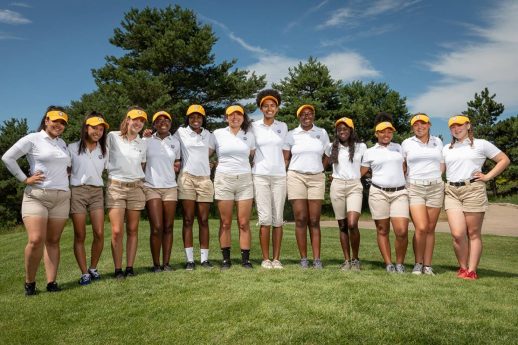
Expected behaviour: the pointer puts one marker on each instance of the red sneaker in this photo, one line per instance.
(461, 272)
(470, 275)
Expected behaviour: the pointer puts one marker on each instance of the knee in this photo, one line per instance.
(225, 226)
(187, 222)
(80, 237)
(156, 229)
(244, 227)
(382, 231)
(168, 229)
(353, 226)
(35, 243)
(301, 221)
(314, 222)
(402, 235)
(98, 235)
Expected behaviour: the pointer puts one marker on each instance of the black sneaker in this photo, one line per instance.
(53, 287)
(206, 264)
(94, 274)
(167, 268)
(129, 272)
(225, 265)
(119, 274)
(30, 289)
(190, 266)
(247, 264)
(156, 269)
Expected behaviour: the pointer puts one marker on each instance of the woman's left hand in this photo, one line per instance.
(481, 177)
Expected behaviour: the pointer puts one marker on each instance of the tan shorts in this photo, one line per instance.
(346, 196)
(469, 198)
(384, 205)
(48, 203)
(197, 188)
(430, 196)
(270, 196)
(233, 187)
(128, 195)
(86, 198)
(305, 186)
(165, 194)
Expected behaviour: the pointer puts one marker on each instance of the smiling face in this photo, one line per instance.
(306, 118)
(162, 125)
(196, 121)
(385, 136)
(269, 109)
(460, 132)
(135, 125)
(54, 128)
(343, 132)
(235, 120)
(95, 133)
(421, 129)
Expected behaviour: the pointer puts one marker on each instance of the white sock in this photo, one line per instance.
(189, 254)
(204, 254)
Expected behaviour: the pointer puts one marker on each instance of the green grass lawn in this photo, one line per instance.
(265, 307)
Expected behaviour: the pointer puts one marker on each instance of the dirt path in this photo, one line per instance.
(500, 219)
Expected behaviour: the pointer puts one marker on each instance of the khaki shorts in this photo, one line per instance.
(305, 186)
(197, 188)
(469, 198)
(384, 205)
(165, 194)
(270, 196)
(233, 187)
(430, 196)
(47, 203)
(128, 195)
(86, 198)
(346, 196)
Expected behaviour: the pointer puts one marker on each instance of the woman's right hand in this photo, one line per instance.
(38, 177)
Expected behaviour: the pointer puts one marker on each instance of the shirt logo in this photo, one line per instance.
(244, 138)
(172, 146)
(100, 156)
(318, 136)
(279, 131)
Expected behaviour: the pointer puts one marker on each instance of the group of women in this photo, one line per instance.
(258, 160)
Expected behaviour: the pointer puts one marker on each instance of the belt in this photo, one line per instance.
(462, 183)
(424, 182)
(126, 184)
(393, 189)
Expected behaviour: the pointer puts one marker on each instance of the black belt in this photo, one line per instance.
(462, 183)
(393, 189)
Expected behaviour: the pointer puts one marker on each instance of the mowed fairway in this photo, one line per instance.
(256, 306)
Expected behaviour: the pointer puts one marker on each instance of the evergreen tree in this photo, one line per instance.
(483, 112)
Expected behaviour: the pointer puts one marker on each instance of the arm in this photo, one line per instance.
(287, 157)
(10, 158)
(502, 162)
(325, 161)
(364, 170)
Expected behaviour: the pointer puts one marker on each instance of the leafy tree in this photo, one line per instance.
(167, 64)
(483, 112)
(505, 133)
(10, 188)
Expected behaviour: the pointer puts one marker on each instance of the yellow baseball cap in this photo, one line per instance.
(234, 108)
(269, 97)
(161, 113)
(384, 125)
(299, 110)
(54, 115)
(137, 113)
(97, 120)
(420, 117)
(195, 108)
(457, 120)
(347, 121)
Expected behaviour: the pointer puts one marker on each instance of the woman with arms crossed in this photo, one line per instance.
(466, 198)
(46, 199)
(88, 162)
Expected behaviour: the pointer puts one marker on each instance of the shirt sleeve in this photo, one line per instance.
(366, 160)
(177, 150)
(489, 149)
(288, 142)
(17, 151)
(325, 138)
(252, 141)
(328, 149)
(212, 141)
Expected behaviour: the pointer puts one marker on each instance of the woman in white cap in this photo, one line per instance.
(269, 174)
(235, 146)
(388, 197)
(345, 154)
(195, 188)
(124, 194)
(424, 167)
(304, 150)
(46, 199)
(466, 198)
(160, 188)
(88, 157)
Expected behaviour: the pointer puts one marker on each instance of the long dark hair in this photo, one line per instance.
(350, 143)
(50, 108)
(84, 135)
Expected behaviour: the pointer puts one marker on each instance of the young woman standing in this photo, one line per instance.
(466, 198)
(345, 153)
(88, 157)
(125, 195)
(269, 174)
(425, 165)
(46, 199)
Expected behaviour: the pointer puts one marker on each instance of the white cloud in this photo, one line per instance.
(20, 4)
(8, 36)
(338, 18)
(469, 68)
(245, 45)
(11, 17)
(313, 9)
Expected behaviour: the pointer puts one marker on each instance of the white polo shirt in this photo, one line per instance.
(195, 150)
(462, 161)
(386, 163)
(345, 169)
(233, 151)
(423, 160)
(268, 158)
(307, 148)
(125, 157)
(87, 167)
(160, 157)
(50, 156)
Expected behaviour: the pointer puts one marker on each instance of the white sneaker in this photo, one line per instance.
(400, 268)
(390, 268)
(277, 264)
(355, 264)
(266, 264)
(428, 270)
(346, 266)
(418, 269)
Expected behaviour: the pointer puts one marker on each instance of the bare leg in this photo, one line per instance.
(400, 225)
(79, 221)
(383, 230)
(315, 208)
(354, 232)
(277, 240)
(167, 237)
(52, 251)
(244, 209)
(155, 213)
(474, 224)
(433, 216)
(300, 211)
(264, 239)
(225, 208)
(459, 229)
(36, 233)
(116, 216)
(203, 223)
(133, 217)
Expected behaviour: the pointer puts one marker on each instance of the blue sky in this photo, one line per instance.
(435, 53)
